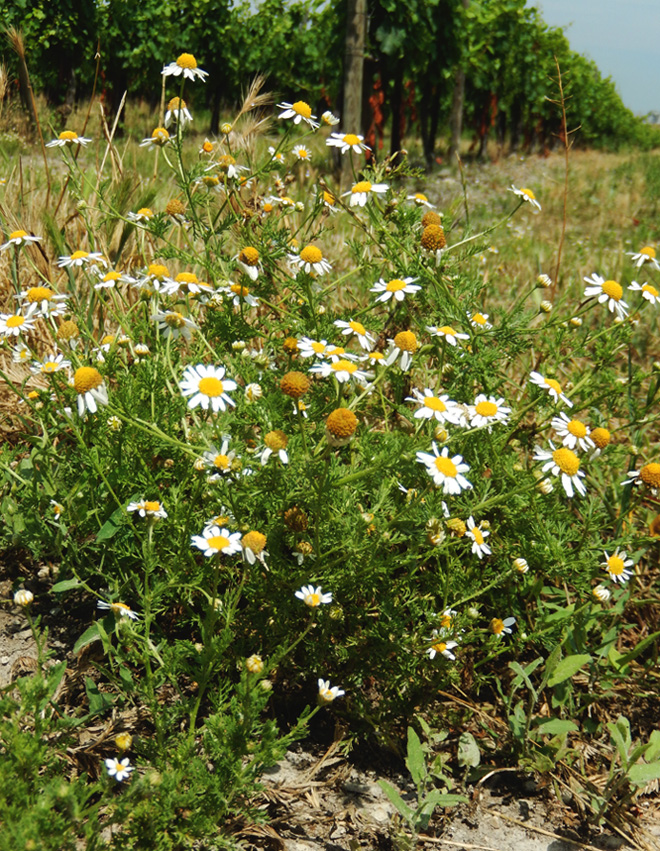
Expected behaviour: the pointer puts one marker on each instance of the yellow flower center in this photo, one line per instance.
(175, 320)
(302, 153)
(362, 186)
(446, 466)
(302, 108)
(395, 285)
(111, 276)
(313, 600)
(478, 537)
(210, 386)
(419, 196)
(238, 290)
(15, 321)
(335, 350)
(357, 327)
(276, 440)
(39, 294)
(497, 626)
(576, 428)
(49, 366)
(175, 208)
(615, 565)
(440, 647)
(445, 623)
(479, 318)
(318, 348)
(613, 290)
(294, 384)
(222, 462)
(648, 251)
(68, 136)
(207, 147)
(225, 161)
(249, 256)
(433, 238)
(160, 134)
(447, 330)
(187, 278)
(118, 608)
(108, 340)
(157, 270)
(79, 255)
(176, 103)
(329, 199)
(529, 194)
(601, 437)
(406, 341)
(647, 288)
(311, 254)
(434, 404)
(187, 60)
(351, 139)
(218, 542)
(341, 423)
(554, 385)
(486, 409)
(152, 505)
(650, 475)
(376, 356)
(87, 378)
(267, 207)
(344, 366)
(254, 541)
(566, 460)
(17, 234)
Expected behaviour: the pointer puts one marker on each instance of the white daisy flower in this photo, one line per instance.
(501, 627)
(276, 156)
(363, 190)
(447, 332)
(90, 387)
(23, 597)
(618, 566)
(421, 200)
(15, 324)
(159, 137)
(365, 339)
(149, 508)
(17, 238)
(328, 694)
(253, 544)
(120, 610)
(21, 353)
(68, 137)
(174, 324)
(227, 165)
(607, 291)
(313, 348)
(397, 288)
(440, 408)
(177, 110)
(479, 321)
(313, 597)
(601, 593)
(342, 369)
(487, 411)
(298, 111)
(120, 769)
(249, 261)
(405, 345)
(552, 386)
(47, 301)
(239, 294)
(526, 195)
(276, 443)
(563, 462)
(186, 64)
(645, 255)
(50, 364)
(446, 472)
(219, 461)
(347, 142)
(310, 259)
(440, 646)
(81, 258)
(648, 292)
(478, 535)
(573, 432)
(217, 541)
(301, 152)
(207, 387)
(649, 475)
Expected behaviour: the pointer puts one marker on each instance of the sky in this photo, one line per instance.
(621, 36)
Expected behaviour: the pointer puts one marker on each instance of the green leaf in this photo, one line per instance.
(556, 726)
(111, 525)
(65, 585)
(550, 664)
(643, 773)
(620, 734)
(401, 807)
(415, 759)
(568, 667)
(97, 631)
(640, 648)
(98, 702)
(469, 754)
